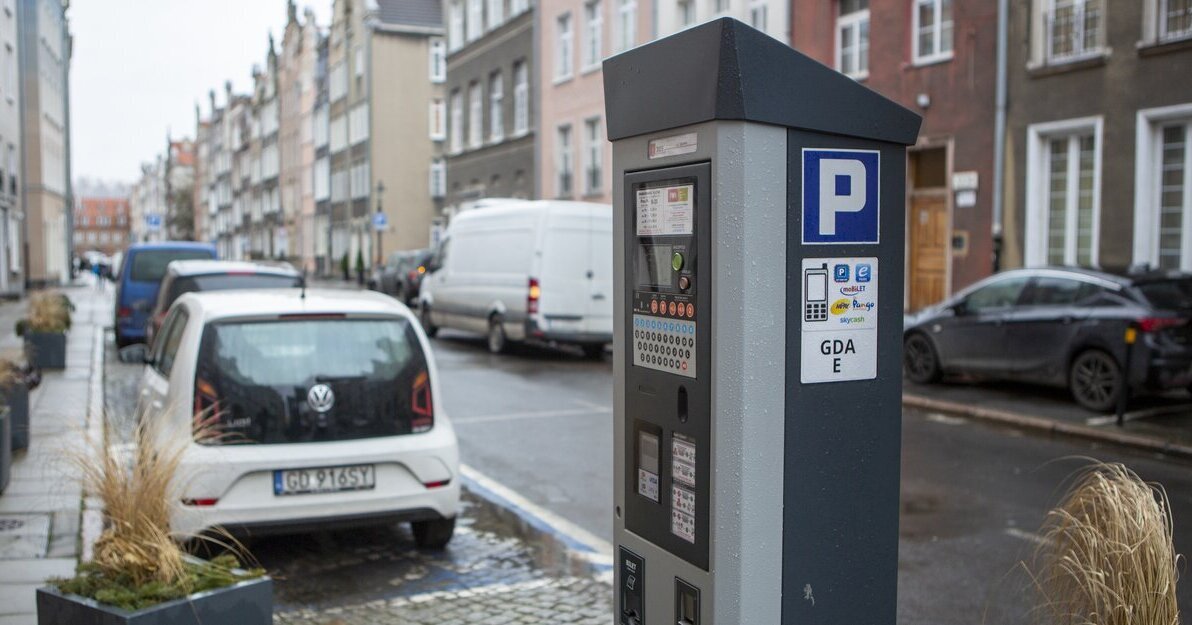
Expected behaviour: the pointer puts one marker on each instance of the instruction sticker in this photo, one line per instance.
(683, 525)
(673, 145)
(666, 210)
(839, 330)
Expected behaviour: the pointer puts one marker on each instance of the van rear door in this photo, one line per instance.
(577, 276)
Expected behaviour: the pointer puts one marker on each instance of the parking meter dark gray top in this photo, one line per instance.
(758, 193)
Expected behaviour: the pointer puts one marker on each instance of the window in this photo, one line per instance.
(626, 24)
(564, 44)
(359, 64)
(10, 77)
(358, 124)
(517, 7)
(852, 38)
(475, 115)
(1000, 294)
(438, 119)
(14, 243)
(457, 122)
(593, 31)
(496, 106)
(167, 343)
(438, 178)
(521, 99)
(1175, 19)
(475, 23)
(721, 6)
(686, 13)
(339, 133)
(339, 82)
(1163, 190)
(322, 179)
(593, 157)
(563, 161)
(360, 180)
(496, 13)
(758, 14)
(438, 60)
(1073, 29)
(1063, 186)
(932, 36)
(455, 25)
(1049, 291)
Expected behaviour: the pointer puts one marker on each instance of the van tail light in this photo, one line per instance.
(421, 405)
(532, 296)
(1158, 324)
(124, 312)
(413, 275)
(438, 484)
(200, 503)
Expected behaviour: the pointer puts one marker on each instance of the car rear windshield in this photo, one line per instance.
(308, 380)
(150, 265)
(228, 281)
(1168, 294)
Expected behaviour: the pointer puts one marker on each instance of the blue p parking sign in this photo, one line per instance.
(840, 196)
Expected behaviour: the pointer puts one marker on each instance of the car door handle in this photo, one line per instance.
(598, 296)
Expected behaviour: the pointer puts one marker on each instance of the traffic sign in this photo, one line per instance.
(380, 221)
(840, 196)
(153, 221)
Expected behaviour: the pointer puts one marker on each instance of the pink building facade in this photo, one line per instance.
(575, 159)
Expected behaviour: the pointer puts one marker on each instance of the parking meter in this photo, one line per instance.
(759, 212)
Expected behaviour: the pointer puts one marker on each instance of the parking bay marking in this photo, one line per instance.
(588, 409)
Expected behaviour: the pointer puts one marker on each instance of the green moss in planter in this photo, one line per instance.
(120, 591)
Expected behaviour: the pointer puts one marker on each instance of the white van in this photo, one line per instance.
(529, 270)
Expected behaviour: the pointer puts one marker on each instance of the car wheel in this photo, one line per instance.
(593, 351)
(496, 335)
(1095, 380)
(433, 534)
(919, 360)
(427, 325)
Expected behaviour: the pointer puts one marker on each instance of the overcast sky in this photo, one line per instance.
(140, 65)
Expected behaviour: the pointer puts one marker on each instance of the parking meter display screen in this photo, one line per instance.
(647, 465)
(655, 270)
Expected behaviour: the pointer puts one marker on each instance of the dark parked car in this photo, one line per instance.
(188, 276)
(402, 274)
(1060, 327)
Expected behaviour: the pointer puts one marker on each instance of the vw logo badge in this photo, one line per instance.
(320, 397)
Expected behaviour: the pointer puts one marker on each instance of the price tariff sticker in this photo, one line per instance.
(683, 449)
(683, 500)
(683, 472)
(683, 525)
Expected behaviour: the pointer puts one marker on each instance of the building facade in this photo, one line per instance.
(101, 218)
(147, 203)
(772, 17)
(44, 62)
(268, 236)
(200, 219)
(934, 57)
(296, 96)
(12, 211)
(381, 57)
(491, 122)
(179, 179)
(1099, 133)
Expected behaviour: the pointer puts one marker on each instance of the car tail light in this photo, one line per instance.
(206, 398)
(438, 484)
(124, 311)
(1158, 324)
(202, 503)
(532, 296)
(412, 275)
(421, 405)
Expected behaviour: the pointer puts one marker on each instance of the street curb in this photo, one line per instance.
(581, 546)
(91, 521)
(1050, 426)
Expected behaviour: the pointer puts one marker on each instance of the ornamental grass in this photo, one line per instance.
(1107, 556)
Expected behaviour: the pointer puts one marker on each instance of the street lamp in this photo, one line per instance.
(377, 224)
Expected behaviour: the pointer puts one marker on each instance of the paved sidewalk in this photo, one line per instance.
(1160, 424)
(41, 511)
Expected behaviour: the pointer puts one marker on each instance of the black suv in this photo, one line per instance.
(1062, 327)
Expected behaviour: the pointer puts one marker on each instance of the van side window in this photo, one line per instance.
(440, 260)
(170, 340)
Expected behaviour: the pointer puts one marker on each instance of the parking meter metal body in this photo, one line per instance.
(759, 206)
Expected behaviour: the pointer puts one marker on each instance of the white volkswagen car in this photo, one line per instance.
(324, 413)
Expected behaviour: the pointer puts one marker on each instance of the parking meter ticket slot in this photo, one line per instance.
(839, 320)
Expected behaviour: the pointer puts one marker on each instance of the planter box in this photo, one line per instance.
(17, 398)
(47, 350)
(246, 603)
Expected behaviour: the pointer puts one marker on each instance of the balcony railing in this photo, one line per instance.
(1075, 31)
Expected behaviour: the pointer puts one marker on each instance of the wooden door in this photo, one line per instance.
(928, 251)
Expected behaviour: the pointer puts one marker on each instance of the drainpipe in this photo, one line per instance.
(999, 133)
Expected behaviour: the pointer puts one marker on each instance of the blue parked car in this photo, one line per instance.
(140, 275)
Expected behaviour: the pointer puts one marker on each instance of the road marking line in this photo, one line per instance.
(944, 419)
(537, 414)
(1025, 535)
(579, 541)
